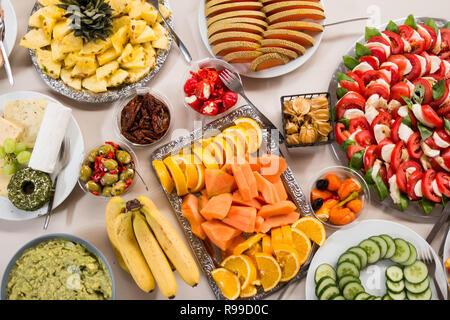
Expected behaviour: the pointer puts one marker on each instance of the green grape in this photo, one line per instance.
(9, 145)
(21, 146)
(10, 168)
(2, 153)
(23, 157)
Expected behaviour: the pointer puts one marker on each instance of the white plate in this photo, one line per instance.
(243, 68)
(10, 25)
(372, 277)
(68, 176)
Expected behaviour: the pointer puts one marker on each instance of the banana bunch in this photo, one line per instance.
(147, 246)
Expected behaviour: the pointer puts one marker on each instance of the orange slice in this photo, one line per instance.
(297, 25)
(289, 5)
(177, 176)
(312, 228)
(232, 7)
(236, 27)
(253, 132)
(267, 245)
(256, 248)
(201, 178)
(240, 135)
(287, 235)
(288, 53)
(295, 14)
(248, 292)
(289, 261)
(228, 283)
(243, 267)
(207, 158)
(254, 21)
(247, 244)
(268, 60)
(163, 176)
(225, 48)
(302, 244)
(301, 38)
(283, 44)
(276, 237)
(269, 270)
(186, 163)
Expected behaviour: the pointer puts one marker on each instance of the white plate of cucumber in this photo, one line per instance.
(374, 260)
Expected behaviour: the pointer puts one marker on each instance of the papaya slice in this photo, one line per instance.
(252, 21)
(266, 189)
(278, 221)
(242, 56)
(268, 60)
(235, 27)
(272, 165)
(276, 209)
(297, 25)
(189, 209)
(258, 223)
(289, 53)
(289, 5)
(299, 37)
(279, 43)
(218, 182)
(228, 36)
(241, 218)
(251, 180)
(242, 183)
(202, 201)
(220, 234)
(295, 14)
(232, 7)
(212, 3)
(237, 199)
(280, 189)
(222, 49)
(239, 14)
(217, 207)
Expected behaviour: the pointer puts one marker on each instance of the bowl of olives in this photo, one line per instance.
(108, 170)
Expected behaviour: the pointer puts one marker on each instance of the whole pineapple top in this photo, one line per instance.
(90, 19)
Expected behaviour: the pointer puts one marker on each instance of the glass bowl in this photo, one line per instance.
(342, 173)
(121, 103)
(124, 147)
(201, 64)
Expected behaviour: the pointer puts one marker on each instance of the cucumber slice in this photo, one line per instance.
(371, 298)
(361, 253)
(372, 249)
(325, 281)
(338, 297)
(396, 287)
(386, 297)
(402, 251)
(346, 279)
(324, 270)
(397, 296)
(419, 287)
(426, 295)
(352, 289)
(329, 292)
(352, 257)
(378, 298)
(383, 245)
(362, 296)
(412, 255)
(391, 246)
(416, 273)
(347, 268)
(394, 273)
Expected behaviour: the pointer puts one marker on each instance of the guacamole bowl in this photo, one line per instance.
(61, 266)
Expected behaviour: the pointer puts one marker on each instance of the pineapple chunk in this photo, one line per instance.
(118, 6)
(146, 36)
(46, 63)
(134, 75)
(118, 77)
(61, 29)
(66, 77)
(49, 2)
(85, 67)
(148, 48)
(137, 61)
(127, 54)
(136, 28)
(48, 24)
(134, 9)
(53, 11)
(164, 11)
(96, 47)
(149, 14)
(159, 30)
(71, 43)
(119, 39)
(118, 23)
(95, 85)
(71, 60)
(57, 51)
(107, 56)
(107, 70)
(35, 39)
(161, 43)
(35, 20)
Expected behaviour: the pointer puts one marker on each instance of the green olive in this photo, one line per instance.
(127, 174)
(123, 157)
(109, 179)
(92, 155)
(105, 149)
(85, 173)
(110, 164)
(106, 192)
(118, 188)
(92, 186)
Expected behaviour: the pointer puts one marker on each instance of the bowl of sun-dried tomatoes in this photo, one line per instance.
(143, 118)
(203, 90)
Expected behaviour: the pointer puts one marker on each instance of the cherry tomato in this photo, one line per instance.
(190, 86)
(415, 177)
(416, 66)
(383, 117)
(352, 149)
(365, 138)
(209, 108)
(358, 123)
(443, 183)
(427, 187)
(398, 90)
(351, 100)
(371, 60)
(340, 132)
(397, 44)
(413, 146)
(370, 156)
(402, 175)
(430, 115)
(394, 131)
(407, 33)
(396, 156)
(428, 97)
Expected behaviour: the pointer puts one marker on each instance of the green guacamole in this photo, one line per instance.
(59, 269)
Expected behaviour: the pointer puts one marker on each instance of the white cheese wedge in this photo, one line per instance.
(363, 66)
(376, 168)
(423, 64)
(437, 45)
(432, 153)
(9, 129)
(417, 110)
(402, 111)
(418, 189)
(353, 113)
(394, 190)
(387, 73)
(352, 136)
(386, 152)
(406, 46)
(435, 64)
(408, 67)
(371, 113)
(439, 141)
(425, 162)
(387, 49)
(436, 189)
(381, 131)
(441, 162)
(404, 132)
(411, 86)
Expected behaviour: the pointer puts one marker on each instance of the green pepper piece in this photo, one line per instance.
(351, 197)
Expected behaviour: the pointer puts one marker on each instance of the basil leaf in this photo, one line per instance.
(407, 120)
(426, 205)
(368, 177)
(347, 143)
(411, 21)
(346, 123)
(361, 50)
(444, 200)
(447, 124)
(419, 93)
(408, 102)
(356, 162)
(446, 26)
(380, 188)
(340, 92)
(424, 131)
(392, 26)
(438, 89)
(343, 76)
(404, 202)
(430, 22)
(371, 32)
(350, 62)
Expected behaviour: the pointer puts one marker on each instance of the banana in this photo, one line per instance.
(115, 207)
(170, 242)
(132, 254)
(155, 257)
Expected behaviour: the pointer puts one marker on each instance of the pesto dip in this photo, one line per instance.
(59, 269)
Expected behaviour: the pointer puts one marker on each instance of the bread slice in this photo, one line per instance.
(225, 48)
(268, 60)
(242, 56)
(289, 5)
(234, 36)
(295, 14)
(297, 26)
(283, 44)
(212, 3)
(286, 52)
(232, 7)
(295, 36)
(239, 27)
(253, 21)
(254, 14)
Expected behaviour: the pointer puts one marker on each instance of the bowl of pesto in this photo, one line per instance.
(58, 267)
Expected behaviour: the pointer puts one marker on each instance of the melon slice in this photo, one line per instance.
(217, 207)
(242, 56)
(289, 5)
(267, 2)
(237, 199)
(299, 37)
(218, 182)
(297, 25)
(278, 221)
(225, 48)
(216, 2)
(233, 7)
(252, 21)
(220, 234)
(241, 218)
(276, 209)
(295, 14)
(228, 36)
(189, 209)
(268, 60)
(283, 44)
(236, 27)
(289, 53)
(240, 14)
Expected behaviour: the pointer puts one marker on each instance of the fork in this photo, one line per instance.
(428, 259)
(62, 163)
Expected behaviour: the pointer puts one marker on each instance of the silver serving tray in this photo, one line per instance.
(210, 260)
(414, 212)
(59, 86)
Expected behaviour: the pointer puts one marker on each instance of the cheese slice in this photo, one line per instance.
(9, 129)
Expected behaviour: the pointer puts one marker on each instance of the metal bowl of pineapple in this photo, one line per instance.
(94, 72)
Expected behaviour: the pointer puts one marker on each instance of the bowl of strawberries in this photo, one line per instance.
(203, 90)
